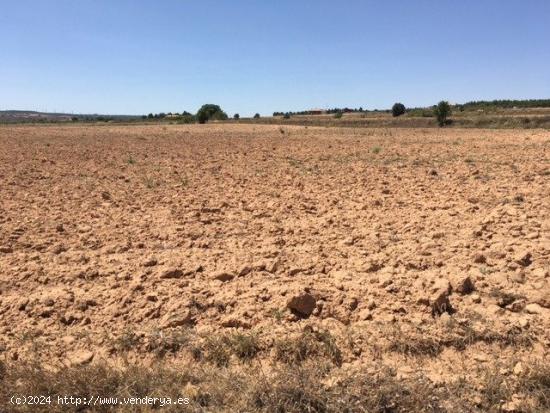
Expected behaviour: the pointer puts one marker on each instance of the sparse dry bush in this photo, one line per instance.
(161, 342)
(309, 344)
(218, 349)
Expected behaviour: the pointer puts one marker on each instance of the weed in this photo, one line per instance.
(215, 351)
(219, 349)
(244, 346)
(277, 314)
(519, 198)
(150, 183)
(309, 344)
(536, 383)
(127, 341)
(161, 342)
(504, 298)
(486, 270)
(418, 345)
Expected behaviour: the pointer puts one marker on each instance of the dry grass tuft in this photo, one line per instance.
(219, 349)
(309, 344)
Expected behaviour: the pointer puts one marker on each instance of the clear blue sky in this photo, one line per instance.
(135, 56)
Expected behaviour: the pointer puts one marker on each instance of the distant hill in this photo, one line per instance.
(29, 115)
(17, 116)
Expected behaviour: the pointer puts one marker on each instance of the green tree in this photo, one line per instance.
(257, 116)
(398, 109)
(236, 116)
(442, 111)
(210, 112)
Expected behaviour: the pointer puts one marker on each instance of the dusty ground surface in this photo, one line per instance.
(424, 251)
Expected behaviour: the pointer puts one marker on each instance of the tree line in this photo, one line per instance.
(506, 104)
(206, 113)
(441, 111)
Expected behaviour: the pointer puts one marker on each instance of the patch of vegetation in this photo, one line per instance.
(536, 384)
(186, 119)
(296, 163)
(456, 335)
(184, 182)
(163, 342)
(504, 298)
(87, 381)
(398, 109)
(244, 346)
(442, 111)
(294, 388)
(506, 103)
(421, 113)
(209, 112)
(150, 183)
(277, 314)
(127, 341)
(310, 344)
(219, 349)
(519, 198)
(486, 270)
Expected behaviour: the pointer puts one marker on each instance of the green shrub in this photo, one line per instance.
(257, 116)
(441, 112)
(338, 114)
(186, 119)
(398, 109)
